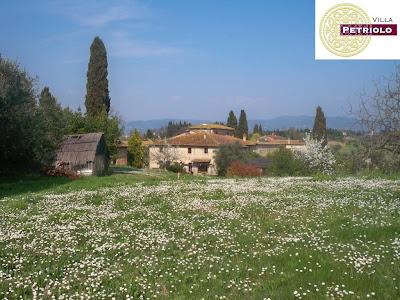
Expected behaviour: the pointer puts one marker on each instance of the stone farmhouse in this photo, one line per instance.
(196, 148)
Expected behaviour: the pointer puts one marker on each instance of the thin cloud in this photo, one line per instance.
(112, 15)
(122, 46)
(95, 14)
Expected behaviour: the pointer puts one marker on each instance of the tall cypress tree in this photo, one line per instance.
(232, 121)
(97, 94)
(243, 128)
(51, 121)
(256, 129)
(319, 129)
(260, 129)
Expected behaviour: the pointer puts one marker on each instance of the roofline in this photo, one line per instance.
(194, 145)
(80, 134)
(211, 126)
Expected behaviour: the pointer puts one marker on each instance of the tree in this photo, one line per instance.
(75, 121)
(97, 94)
(243, 129)
(173, 128)
(165, 155)
(135, 150)
(226, 155)
(256, 129)
(260, 129)
(254, 137)
(319, 129)
(20, 147)
(109, 125)
(232, 121)
(149, 134)
(317, 156)
(285, 163)
(52, 122)
(379, 115)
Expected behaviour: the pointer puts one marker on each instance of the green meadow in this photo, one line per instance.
(149, 236)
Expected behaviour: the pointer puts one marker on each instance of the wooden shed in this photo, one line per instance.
(86, 154)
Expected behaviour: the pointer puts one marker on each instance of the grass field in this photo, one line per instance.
(129, 237)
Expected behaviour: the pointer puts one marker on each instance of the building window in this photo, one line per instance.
(189, 150)
(206, 150)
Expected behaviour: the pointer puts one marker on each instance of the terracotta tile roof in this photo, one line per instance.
(147, 143)
(270, 138)
(202, 139)
(211, 126)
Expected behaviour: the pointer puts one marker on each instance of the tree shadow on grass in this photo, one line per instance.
(10, 187)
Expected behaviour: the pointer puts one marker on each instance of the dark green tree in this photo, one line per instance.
(149, 134)
(75, 121)
(232, 121)
(285, 163)
(256, 129)
(260, 129)
(52, 122)
(243, 128)
(97, 94)
(109, 125)
(21, 135)
(226, 155)
(319, 129)
(173, 128)
(135, 150)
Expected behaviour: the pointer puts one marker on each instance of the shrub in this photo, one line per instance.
(226, 155)
(285, 163)
(229, 153)
(350, 159)
(175, 167)
(238, 168)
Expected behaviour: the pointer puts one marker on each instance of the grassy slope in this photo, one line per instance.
(255, 238)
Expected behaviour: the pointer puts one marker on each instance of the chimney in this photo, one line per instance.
(244, 137)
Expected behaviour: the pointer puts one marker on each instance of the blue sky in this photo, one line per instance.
(188, 59)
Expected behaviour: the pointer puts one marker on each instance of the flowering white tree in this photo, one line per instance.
(316, 156)
(165, 154)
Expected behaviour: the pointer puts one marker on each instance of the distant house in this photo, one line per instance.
(273, 142)
(270, 138)
(213, 128)
(195, 149)
(84, 153)
(122, 154)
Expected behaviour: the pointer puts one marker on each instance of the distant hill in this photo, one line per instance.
(301, 122)
(283, 122)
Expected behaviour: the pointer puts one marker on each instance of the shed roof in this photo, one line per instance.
(78, 149)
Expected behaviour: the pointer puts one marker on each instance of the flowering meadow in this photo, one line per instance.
(260, 238)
